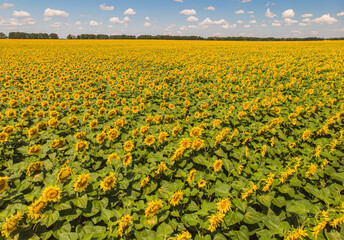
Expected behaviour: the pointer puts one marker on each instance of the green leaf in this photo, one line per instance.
(165, 230)
(107, 214)
(222, 189)
(81, 202)
(50, 218)
(252, 216)
(190, 219)
(69, 236)
(233, 218)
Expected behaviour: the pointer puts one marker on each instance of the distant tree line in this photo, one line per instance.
(100, 36)
(3, 35)
(23, 35)
(169, 37)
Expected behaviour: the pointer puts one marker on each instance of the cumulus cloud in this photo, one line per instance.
(118, 20)
(288, 13)
(303, 24)
(340, 14)
(276, 23)
(106, 8)
(296, 31)
(179, 1)
(192, 19)
(129, 11)
(250, 12)
(56, 25)
(15, 22)
(240, 11)
(269, 14)
(229, 26)
(21, 14)
(314, 32)
(210, 8)
(6, 5)
(253, 21)
(307, 15)
(78, 23)
(246, 1)
(240, 22)
(147, 18)
(326, 18)
(247, 26)
(207, 22)
(289, 21)
(94, 23)
(54, 13)
(188, 12)
(147, 24)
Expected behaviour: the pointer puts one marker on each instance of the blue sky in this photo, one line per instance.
(279, 18)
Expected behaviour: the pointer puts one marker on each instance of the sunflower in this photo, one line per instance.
(191, 176)
(292, 145)
(108, 182)
(101, 111)
(34, 150)
(112, 156)
(201, 184)
(33, 167)
(185, 143)
(64, 174)
(113, 134)
(144, 182)
(127, 159)
(36, 208)
(161, 168)
(10, 113)
(81, 146)
(11, 224)
(72, 120)
(183, 236)
(178, 154)
(9, 130)
(3, 137)
(128, 146)
(93, 124)
(149, 140)
(162, 136)
(196, 132)
(153, 208)
(224, 205)
(217, 165)
(144, 130)
(3, 184)
(101, 137)
(197, 144)
(123, 223)
(51, 194)
(53, 122)
(82, 182)
(306, 135)
(176, 197)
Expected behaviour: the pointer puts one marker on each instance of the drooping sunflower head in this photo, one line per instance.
(36, 208)
(33, 167)
(64, 174)
(3, 184)
(82, 182)
(176, 197)
(34, 150)
(217, 165)
(127, 159)
(11, 224)
(51, 194)
(81, 146)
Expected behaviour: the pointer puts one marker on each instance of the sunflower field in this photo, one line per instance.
(149, 139)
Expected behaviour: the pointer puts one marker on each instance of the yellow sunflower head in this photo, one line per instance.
(51, 194)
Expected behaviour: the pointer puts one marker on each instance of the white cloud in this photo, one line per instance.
(240, 22)
(340, 14)
(117, 20)
(94, 23)
(314, 32)
(106, 8)
(247, 26)
(229, 26)
(250, 12)
(129, 11)
(147, 24)
(269, 14)
(207, 22)
(78, 23)
(179, 1)
(326, 18)
(307, 15)
(192, 19)
(54, 13)
(240, 11)
(276, 23)
(296, 31)
(270, 4)
(6, 5)
(15, 22)
(56, 25)
(47, 19)
(21, 14)
(210, 8)
(263, 25)
(246, 1)
(288, 13)
(188, 12)
(253, 21)
(303, 24)
(289, 21)
(306, 20)
(147, 18)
